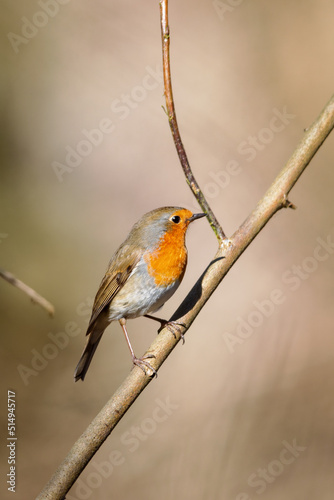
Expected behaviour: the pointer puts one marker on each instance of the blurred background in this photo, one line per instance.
(245, 408)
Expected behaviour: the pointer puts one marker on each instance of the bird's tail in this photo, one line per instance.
(87, 355)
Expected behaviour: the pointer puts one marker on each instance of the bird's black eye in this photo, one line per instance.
(176, 219)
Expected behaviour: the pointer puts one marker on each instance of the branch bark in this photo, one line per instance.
(229, 250)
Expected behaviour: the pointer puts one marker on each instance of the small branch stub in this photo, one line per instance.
(288, 204)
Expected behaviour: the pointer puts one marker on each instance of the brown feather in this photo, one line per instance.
(114, 279)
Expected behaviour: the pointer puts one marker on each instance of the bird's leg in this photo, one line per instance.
(137, 361)
(171, 325)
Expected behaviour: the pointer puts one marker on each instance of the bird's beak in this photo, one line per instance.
(195, 216)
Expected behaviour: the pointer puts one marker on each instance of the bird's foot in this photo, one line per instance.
(173, 326)
(143, 365)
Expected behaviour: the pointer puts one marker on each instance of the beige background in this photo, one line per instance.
(231, 410)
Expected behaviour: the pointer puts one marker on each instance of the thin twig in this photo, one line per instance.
(35, 297)
(190, 178)
(275, 199)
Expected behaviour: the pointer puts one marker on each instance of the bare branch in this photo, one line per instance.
(227, 254)
(192, 183)
(35, 297)
(274, 199)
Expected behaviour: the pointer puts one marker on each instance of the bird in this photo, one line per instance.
(142, 275)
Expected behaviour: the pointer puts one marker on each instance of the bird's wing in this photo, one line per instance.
(119, 270)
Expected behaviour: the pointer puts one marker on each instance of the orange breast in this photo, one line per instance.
(168, 262)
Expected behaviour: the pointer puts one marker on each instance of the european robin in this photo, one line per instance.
(142, 275)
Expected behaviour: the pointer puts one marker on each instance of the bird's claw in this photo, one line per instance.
(171, 326)
(142, 364)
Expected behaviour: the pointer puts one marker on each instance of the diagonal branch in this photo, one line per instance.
(190, 178)
(35, 297)
(274, 199)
